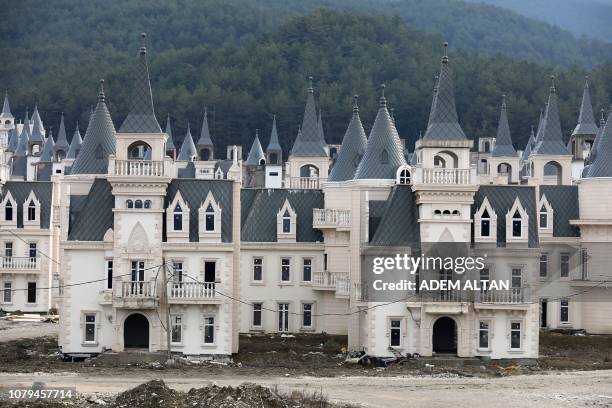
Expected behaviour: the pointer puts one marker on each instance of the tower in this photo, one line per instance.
(504, 162)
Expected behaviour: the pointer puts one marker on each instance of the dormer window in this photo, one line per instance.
(209, 220)
(178, 218)
(485, 224)
(517, 225)
(8, 211)
(543, 217)
(403, 176)
(286, 222)
(32, 211)
(546, 214)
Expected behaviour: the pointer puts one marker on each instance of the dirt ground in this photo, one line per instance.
(20, 330)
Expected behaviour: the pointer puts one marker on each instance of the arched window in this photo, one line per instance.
(404, 177)
(286, 222)
(8, 211)
(517, 225)
(273, 158)
(543, 217)
(61, 155)
(139, 151)
(209, 218)
(485, 224)
(138, 204)
(178, 218)
(32, 211)
(147, 204)
(262, 162)
(129, 204)
(455, 212)
(384, 157)
(437, 212)
(446, 212)
(439, 162)
(205, 154)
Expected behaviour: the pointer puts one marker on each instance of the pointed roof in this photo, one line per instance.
(13, 140)
(205, 140)
(551, 138)
(19, 165)
(320, 128)
(36, 120)
(26, 119)
(62, 140)
(170, 141)
(141, 117)
(503, 140)
(47, 152)
(384, 152)
(308, 141)
(530, 145)
(22, 144)
(37, 129)
(273, 144)
(75, 144)
(6, 108)
(256, 153)
(602, 164)
(443, 121)
(99, 141)
(597, 140)
(188, 149)
(351, 150)
(586, 120)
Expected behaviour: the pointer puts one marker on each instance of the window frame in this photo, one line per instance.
(254, 310)
(305, 267)
(173, 325)
(95, 327)
(212, 325)
(564, 265)
(7, 291)
(109, 272)
(254, 267)
(543, 265)
(520, 335)
(564, 304)
(513, 277)
(31, 291)
(310, 312)
(488, 332)
(392, 329)
(282, 270)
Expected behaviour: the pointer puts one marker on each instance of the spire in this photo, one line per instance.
(503, 141)
(188, 150)
(6, 108)
(13, 139)
(256, 153)
(37, 128)
(99, 140)
(443, 122)
(19, 165)
(22, 144)
(593, 154)
(75, 144)
(26, 119)
(602, 163)
(530, 145)
(170, 141)
(141, 117)
(47, 152)
(205, 139)
(273, 144)
(384, 152)
(308, 142)
(551, 138)
(352, 149)
(586, 120)
(320, 128)
(62, 140)
(36, 120)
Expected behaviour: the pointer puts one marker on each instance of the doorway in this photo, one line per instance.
(445, 336)
(543, 312)
(136, 331)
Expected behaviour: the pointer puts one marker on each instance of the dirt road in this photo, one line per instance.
(586, 388)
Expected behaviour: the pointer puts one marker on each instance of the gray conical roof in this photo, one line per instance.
(503, 140)
(99, 141)
(62, 140)
(352, 149)
(551, 142)
(19, 165)
(6, 108)
(273, 144)
(320, 128)
(170, 141)
(37, 137)
(591, 157)
(141, 117)
(205, 140)
(75, 144)
(443, 122)
(308, 142)
(256, 153)
(384, 152)
(22, 144)
(530, 145)
(47, 152)
(586, 120)
(602, 164)
(188, 149)
(36, 120)
(13, 140)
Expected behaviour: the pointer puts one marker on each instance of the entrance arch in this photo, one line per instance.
(444, 335)
(136, 331)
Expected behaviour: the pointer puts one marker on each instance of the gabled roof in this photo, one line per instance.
(170, 141)
(99, 141)
(205, 140)
(399, 225)
(20, 190)
(47, 151)
(443, 121)
(188, 149)
(308, 142)
(586, 120)
(551, 141)
(602, 164)
(62, 140)
(565, 204)
(259, 219)
(352, 149)
(273, 144)
(75, 144)
(256, 153)
(384, 152)
(6, 108)
(92, 215)
(503, 140)
(141, 117)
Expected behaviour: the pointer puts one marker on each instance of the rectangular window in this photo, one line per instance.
(31, 292)
(8, 249)
(138, 271)
(257, 269)
(90, 328)
(210, 272)
(484, 277)
(257, 308)
(283, 317)
(178, 221)
(515, 335)
(8, 292)
(176, 321)
(209, 330)
(307, 315)
(31, 213)
(109, 274)
(517, 278)
(396, 333)
(177, 273)
(565, 257)
(325, 262)
(485, 228)
(543, 265)
(285, 269)
(307, 272)
(517, 228)
(32, 252)
(483, 334)
(8, 211)
(543, 219)
(564, 316)
(210, 221)
(286, 225)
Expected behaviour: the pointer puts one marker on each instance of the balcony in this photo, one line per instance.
(136, 295)
(325, 280)
(329, 218)
(510, 296)
(193, 292)
(343, 286)
(19, 264)
(442, 176)
(137, 168)
(304, 183)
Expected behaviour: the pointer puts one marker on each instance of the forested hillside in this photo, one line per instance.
(245, 68)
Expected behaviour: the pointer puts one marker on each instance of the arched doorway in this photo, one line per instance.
(136, 331)
(445, 336)
(553, 173)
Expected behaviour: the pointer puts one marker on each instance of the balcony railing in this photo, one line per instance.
(327, 279)
(306, 183)
(192, 291)
(330, 218)
(20, 263)
(145, 168)
(137, 290)
(512, 296)
(444, 176)
(343, 285)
